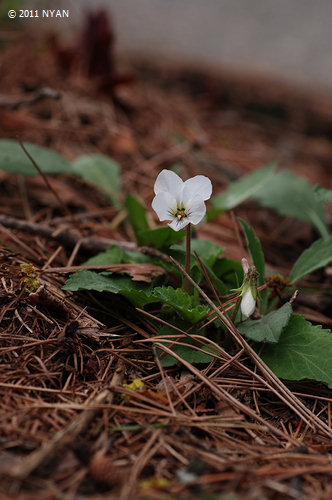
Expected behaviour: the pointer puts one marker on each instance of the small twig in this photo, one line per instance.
(224, 395)
(66, 238)
(293, 297)
(21, 321)
(20, 243)
(274, 382)
(52, 257)
(74, 253)
(162, 373)
(50, 187)
(139, 272)
(66, 436)
(147, 452)
(207, 277)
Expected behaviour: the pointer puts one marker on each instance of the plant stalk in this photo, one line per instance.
(186, 283)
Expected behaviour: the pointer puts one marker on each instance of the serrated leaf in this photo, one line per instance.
(14, 160)
(293, 196)
(160, 238)
(139, 294)
(187, 351)
(137, 216)
(323, 194)
(181, 302)
(304, 351)
(243, 188)
(269, 328)
(255, 249)
(102, 172)
(318, 255)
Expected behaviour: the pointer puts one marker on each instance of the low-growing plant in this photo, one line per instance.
(289, 344)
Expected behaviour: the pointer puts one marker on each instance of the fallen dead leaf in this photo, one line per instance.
(138, 272)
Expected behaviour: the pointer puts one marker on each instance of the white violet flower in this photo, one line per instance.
(248, 290)
(180, 202)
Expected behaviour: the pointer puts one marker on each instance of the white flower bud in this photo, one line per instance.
(248, 303)
(248, 289)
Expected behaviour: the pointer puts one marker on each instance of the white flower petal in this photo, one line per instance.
(169, 182)
(248, 303)
(176, 224)
(164, 205)
(198, 185)
(245, 265)
(196, 210)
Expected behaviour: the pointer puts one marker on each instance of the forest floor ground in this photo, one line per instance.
(63, 352)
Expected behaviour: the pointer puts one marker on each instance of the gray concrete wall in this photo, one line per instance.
(288, 38)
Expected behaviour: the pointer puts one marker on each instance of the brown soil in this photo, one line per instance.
(202, 432)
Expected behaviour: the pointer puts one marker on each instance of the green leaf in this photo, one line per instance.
(113, 255)
(101, 282)
(181, 302)
(179, 254)
(140, 298)
(139, 294)
(117, 255)
(269, 328)
(211, 214)
(304, 351)
(138, 257)
(243, 188)
(230, 271)
(187, 351)
(318, 255)
(208, 252)
(323, 194)
(14, 160)
(102, 172)
(160, 238)
(137, 216)
(293, 196)
(255, 250)
(218, 284)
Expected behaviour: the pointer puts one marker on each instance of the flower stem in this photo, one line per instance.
(186, 284)
(236, 308)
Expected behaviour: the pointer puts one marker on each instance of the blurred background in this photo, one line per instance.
(289, 39)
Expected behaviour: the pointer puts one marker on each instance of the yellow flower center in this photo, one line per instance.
(180, 213)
